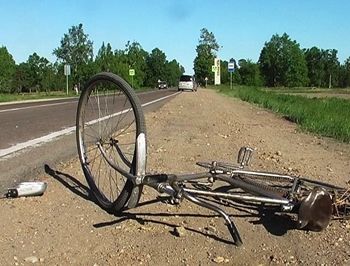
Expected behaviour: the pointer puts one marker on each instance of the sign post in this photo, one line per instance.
(217, 75)
(231, 68)
(132, 74)
(67, 73)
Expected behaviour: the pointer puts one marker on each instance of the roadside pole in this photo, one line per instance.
(213, 69)
(132, 74)
(67, 73)
(231, 68)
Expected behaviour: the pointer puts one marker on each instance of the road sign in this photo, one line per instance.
(213, 68)
(132, 72)
(67, 73)
(66, 70)
(231, 67)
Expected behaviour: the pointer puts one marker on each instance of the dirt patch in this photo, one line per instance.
(65, 227)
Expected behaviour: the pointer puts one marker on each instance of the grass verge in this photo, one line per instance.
(329, 117)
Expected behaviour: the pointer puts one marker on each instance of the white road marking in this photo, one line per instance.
(5, 153)
(32, 107)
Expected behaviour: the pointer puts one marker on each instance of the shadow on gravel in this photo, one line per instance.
(71, 183)
(143, 221)
(275, 223)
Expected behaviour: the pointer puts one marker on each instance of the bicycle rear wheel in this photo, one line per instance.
(109, 119)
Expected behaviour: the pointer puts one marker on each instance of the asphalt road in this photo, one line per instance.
(36, 133)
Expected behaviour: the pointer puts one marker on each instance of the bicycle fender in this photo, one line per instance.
(315, 210)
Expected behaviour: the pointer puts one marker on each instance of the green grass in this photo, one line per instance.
(44, 95)
(308, 90)
(329, 117)
(33, 96)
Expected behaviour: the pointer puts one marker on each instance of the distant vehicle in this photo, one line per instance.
(162, 85)
(187, 82)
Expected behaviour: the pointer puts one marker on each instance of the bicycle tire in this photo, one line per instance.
(100, 120)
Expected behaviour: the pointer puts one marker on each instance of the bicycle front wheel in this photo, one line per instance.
(109, 120)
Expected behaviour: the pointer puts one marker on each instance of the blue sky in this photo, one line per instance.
(241, 27)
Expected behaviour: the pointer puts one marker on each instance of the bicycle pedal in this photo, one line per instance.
(244, 156)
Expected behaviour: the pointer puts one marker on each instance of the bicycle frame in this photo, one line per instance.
(130, 164)
(173, 185)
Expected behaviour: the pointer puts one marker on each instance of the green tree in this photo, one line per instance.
(104, 58)
(206, 52)
(59, 79)
(86, 71)
(315, 62)
(20, 82)
(156, 67)
(282, 63)
(76, 50)
(249, 73)
(136, 59)
(323, 67)
(38, 69)
(48, 78)
(224, 74)
(344, 74)
(7, 69)
(121, 64)
(331, 67)
(173, 71)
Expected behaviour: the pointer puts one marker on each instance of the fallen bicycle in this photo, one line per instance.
(112, 147)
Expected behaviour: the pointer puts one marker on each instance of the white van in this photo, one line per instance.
(187, 82)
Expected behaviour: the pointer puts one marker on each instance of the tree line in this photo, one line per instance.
(282, 63)
(76, 50)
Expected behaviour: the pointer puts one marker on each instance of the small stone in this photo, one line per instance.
(211, 229)
(180, 231)
(32, 259)
(219, 259)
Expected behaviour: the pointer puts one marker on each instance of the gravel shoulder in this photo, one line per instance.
(66, 227)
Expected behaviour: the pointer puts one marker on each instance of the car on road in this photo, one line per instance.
(162, 85)
(187, 82)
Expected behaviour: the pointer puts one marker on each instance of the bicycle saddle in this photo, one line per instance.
(315, 210)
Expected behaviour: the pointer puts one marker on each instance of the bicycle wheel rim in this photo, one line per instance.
(109, 113)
